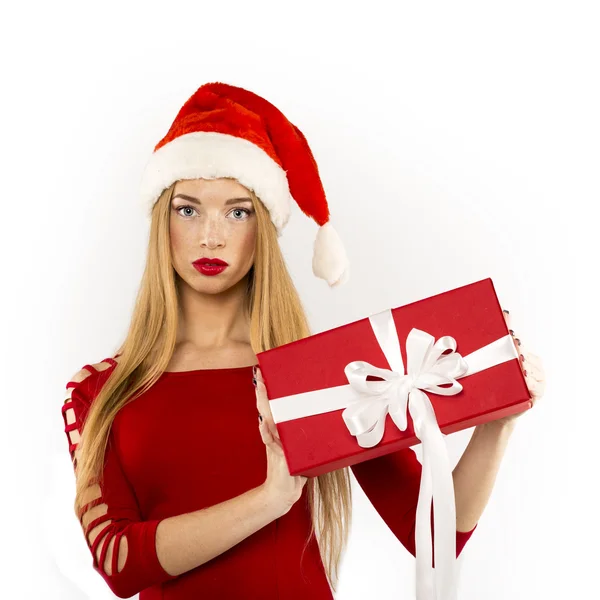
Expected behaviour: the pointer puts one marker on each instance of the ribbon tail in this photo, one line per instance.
(425, 580)
(436, 484)
(444, 514)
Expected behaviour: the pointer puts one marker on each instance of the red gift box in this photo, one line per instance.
(298, 374)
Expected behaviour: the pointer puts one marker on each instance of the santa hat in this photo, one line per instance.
(227, 131)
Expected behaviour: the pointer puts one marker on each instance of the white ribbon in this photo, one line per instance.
(366, 405)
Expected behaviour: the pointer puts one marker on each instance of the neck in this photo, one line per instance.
(210, 321)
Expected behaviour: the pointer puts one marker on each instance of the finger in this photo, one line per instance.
(534, 374)
(507, 319)
(259, 376)
(269, 425)
(266, 408)
(262, 400)
(264, 432)
(530, 363)
(536, 389)
(535, 378)
(529, 358)
(261, 391)
(267, 435)
(534, 363)
(533, 359)
(264, 411)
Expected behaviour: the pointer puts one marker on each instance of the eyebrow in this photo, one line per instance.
(196, 201)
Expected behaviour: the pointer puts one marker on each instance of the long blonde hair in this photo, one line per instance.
(275, 319)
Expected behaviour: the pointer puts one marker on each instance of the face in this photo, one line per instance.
(212, 219)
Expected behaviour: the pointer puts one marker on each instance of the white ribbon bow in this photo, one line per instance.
(427, 370)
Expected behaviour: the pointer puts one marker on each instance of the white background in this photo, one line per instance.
(456, 141)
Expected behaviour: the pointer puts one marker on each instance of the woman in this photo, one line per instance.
(181, 491)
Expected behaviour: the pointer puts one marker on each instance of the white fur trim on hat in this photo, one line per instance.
(211, 155)
(330, 261)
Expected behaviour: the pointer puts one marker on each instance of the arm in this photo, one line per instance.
(392, 482)
(189, 540)
(122, 545)
(476, 471)
(132, 554)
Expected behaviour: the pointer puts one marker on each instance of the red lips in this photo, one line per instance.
(210, 261)
(210, 266)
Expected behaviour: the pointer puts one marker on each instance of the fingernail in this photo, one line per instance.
(506, 312)
(511, 332)
(254, 370)
(254, 381)
(260, 418)
(525, 373)
(521, 357)
(518, 341)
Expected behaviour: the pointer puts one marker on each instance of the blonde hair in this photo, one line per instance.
(275, 319)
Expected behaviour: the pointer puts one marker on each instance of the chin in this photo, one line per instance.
(217, 283)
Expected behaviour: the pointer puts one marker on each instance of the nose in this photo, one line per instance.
(213, 233)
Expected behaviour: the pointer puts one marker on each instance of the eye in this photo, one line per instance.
(183, 208)
(243, 210)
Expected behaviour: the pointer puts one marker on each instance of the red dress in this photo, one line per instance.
(192, 441)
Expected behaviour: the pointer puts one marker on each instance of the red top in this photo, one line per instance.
(192, 441)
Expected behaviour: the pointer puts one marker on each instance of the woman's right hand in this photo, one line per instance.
(282, 488)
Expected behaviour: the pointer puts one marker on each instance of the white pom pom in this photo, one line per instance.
(329, 257)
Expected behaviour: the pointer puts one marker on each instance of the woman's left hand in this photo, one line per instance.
(532, 369)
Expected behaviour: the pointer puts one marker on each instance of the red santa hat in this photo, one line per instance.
(227, 131)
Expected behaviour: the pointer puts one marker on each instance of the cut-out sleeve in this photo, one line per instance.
(391, 483)
(123, 545)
